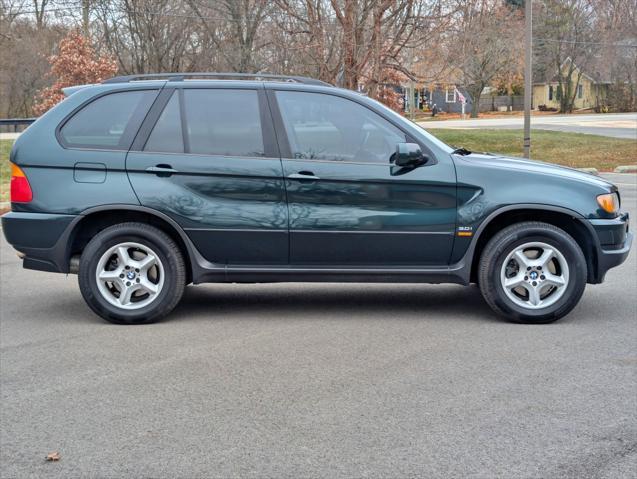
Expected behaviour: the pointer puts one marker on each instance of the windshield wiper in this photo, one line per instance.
(461, 151)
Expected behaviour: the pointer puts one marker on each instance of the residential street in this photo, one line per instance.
(320, 380)
(617, 125)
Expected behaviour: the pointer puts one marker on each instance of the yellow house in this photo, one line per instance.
(589, 92)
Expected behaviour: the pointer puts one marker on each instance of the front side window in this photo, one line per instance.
(450, 95)
(327, 127)
(580, 91)
(110, 122)
(223, 122)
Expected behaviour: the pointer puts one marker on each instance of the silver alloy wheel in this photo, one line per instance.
(534, 275)
(130, 275)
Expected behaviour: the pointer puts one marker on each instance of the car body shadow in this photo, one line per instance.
(346, 300)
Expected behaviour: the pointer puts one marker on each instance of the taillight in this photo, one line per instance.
(20, 187)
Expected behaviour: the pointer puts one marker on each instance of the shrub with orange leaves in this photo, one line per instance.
(75, 64)
(387, 94)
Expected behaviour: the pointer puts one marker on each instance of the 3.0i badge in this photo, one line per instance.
(465, 231)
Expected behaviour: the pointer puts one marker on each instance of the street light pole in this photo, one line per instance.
(528, 75)
(85, 17)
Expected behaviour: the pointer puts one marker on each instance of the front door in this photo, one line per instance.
(348, 204)
(211, 163)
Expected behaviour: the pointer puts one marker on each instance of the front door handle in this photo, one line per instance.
(303, 175)
(161, 169)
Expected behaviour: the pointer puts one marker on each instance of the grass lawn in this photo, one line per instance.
(569, 149)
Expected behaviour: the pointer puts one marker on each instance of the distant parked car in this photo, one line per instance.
(145, 184)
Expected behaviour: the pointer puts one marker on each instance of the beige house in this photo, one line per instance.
(590, 92)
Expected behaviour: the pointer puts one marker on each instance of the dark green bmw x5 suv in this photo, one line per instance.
(145, 184)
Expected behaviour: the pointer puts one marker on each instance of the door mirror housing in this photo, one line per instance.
(409, 155)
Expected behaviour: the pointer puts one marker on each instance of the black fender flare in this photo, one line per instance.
(466, 263)
(63, 246)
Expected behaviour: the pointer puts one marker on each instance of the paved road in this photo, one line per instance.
(318, 381)
(619, 125)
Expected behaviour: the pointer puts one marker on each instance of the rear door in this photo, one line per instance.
(348, 204)
(207, 158)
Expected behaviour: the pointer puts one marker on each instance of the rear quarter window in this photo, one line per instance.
(109, 122)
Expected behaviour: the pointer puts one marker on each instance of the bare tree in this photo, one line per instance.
(232, 26)
(487, 44)
(39, 9)
(566, 37)
(616, 58)
(368, 45)
(148, 35)
(25, 44)
(361, 43)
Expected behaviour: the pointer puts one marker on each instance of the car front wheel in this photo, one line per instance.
(132, 273)
(532, 272)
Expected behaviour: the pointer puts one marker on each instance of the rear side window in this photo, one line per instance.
(167, 134)
(110, 122)
(223, 122)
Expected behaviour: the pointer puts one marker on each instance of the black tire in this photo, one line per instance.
(505, 242)
(174, 273)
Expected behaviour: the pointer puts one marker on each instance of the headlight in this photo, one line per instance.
(609, 202)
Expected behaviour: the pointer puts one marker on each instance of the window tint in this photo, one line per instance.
(223, 122)
(110, 122)
(326, 127)
(167, 134)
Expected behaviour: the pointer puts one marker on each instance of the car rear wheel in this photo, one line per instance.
(532, 272)
(132, 273)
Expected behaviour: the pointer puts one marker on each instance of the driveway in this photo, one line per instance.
(620, 125)
(318, 380)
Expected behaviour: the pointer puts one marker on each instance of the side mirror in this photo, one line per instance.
(409, 155)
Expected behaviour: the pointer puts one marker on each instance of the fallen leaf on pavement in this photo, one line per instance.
(53, 456)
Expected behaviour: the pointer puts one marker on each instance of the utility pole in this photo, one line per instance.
(412, 101)
(85, 16)
(528, 75)
(412, 88)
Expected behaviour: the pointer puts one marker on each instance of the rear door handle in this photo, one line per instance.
(303, 175)
(161, 169)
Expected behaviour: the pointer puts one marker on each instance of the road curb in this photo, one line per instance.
(626, 169)
(591, 171)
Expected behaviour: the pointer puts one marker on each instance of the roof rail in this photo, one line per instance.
(203, 75)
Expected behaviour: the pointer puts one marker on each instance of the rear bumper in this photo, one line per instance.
(42, 238)
(614, 241)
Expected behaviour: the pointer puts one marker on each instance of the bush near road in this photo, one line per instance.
(569, 149)
(5, 170)
(575, 150)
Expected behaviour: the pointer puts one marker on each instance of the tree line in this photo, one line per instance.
(367, 45)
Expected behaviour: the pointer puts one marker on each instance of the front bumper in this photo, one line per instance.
(613, 243)
(41, 239)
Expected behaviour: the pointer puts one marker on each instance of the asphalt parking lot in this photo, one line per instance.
(617, 125)
(318, 380)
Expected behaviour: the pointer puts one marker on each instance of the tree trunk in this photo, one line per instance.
(350, 45)
(476, 93)
(40, 10)
(376, 56)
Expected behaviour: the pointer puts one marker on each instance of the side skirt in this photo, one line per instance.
(457, 274)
